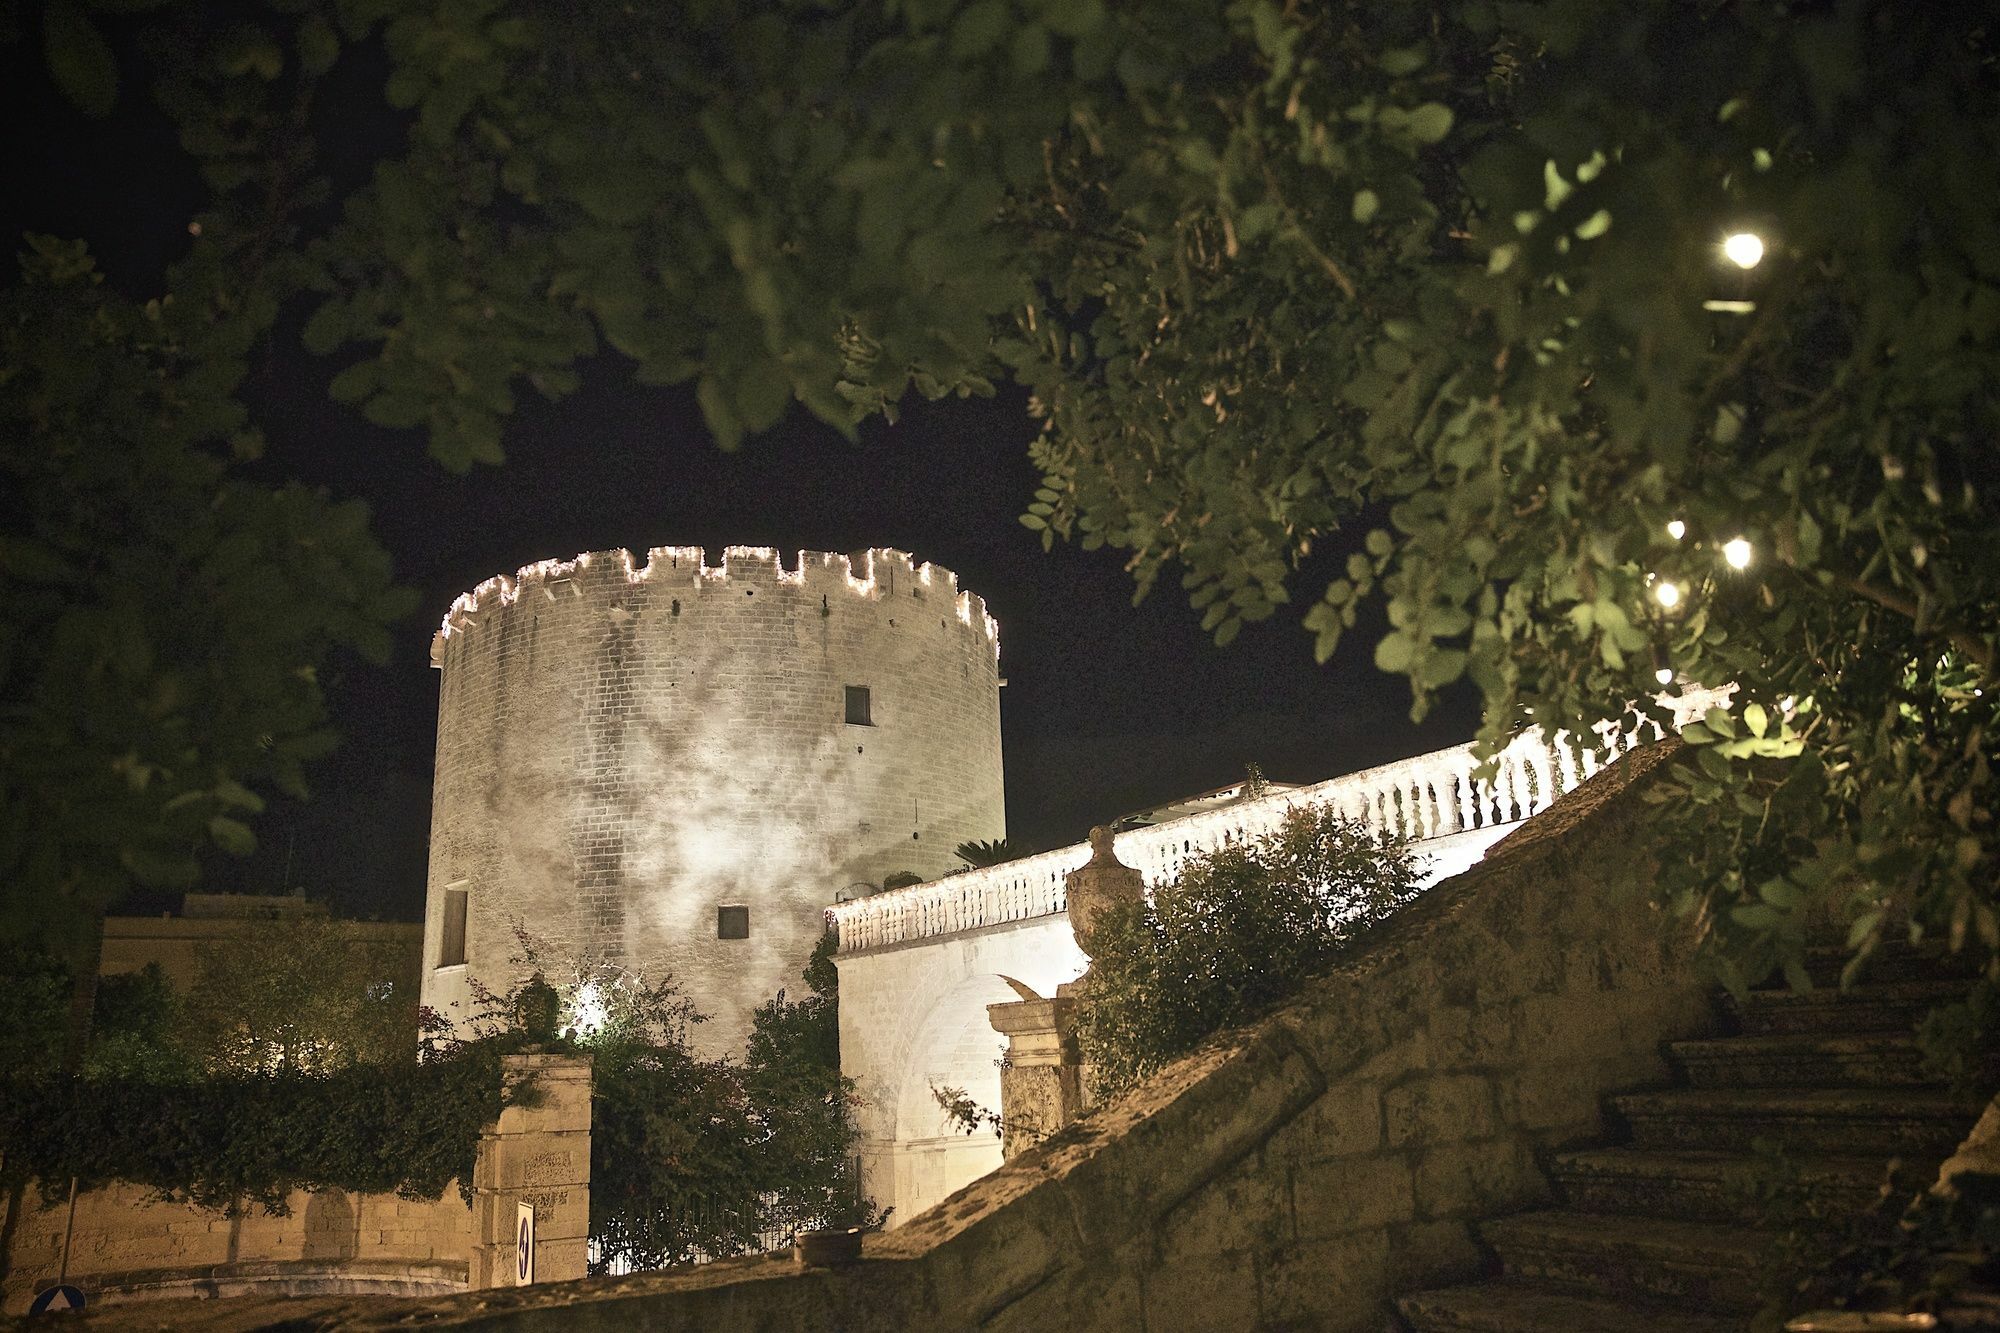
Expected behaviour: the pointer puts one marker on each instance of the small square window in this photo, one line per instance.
(732, 923)
(857, 706)
(451, 943)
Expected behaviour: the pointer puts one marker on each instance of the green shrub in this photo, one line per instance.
(228, 1140)
(694, 1158)
(1238, 931)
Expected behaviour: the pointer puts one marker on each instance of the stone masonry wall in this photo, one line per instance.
(622, 750)
(125, 1246)
(128, 1245)
(1292, 1175)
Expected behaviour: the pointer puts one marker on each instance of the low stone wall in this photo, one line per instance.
(125, 1246)
(1293, 1175)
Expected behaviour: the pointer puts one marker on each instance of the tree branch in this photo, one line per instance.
(1971, 645)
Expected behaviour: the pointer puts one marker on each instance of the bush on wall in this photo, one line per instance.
(232, 1140)
(1239, 930)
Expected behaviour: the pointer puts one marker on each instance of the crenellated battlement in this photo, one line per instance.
(876, 574)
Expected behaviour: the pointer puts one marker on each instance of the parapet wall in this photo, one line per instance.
(813, 572)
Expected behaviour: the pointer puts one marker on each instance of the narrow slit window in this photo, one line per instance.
(732, 923)
(857, 706)
(451, 944)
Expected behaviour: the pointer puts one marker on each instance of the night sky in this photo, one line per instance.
(1108, 708)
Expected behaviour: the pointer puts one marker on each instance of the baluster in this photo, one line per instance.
(1565, 748)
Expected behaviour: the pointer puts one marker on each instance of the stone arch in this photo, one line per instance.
(954, 1046)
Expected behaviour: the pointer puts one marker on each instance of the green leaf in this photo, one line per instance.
(1366, 202)
(232, 836)
(79, 59)
(318, 44)
(1594, 226)
(1403, 60)
(1755, 916)
(1394, 653)
(1030, 50)
(1430, 122)
(979, 28)
(716, 411)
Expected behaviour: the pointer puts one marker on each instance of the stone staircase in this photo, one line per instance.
(1658, 1234)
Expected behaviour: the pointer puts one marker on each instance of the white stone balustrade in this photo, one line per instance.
(1430, 796)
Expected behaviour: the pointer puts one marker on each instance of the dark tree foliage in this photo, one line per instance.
(1435, 288)
(166, 618)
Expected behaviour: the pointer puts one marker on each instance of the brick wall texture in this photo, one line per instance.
(624, 749)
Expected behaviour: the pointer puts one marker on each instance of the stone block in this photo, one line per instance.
(563, 1261)
(1442, 1108)
(1338, 1283)
(1407, 1054)
(1344, 1120)
(532, 1161)
(1005, 1234)
(1196, 1293)
(1571, 1027)
(1553, 1096)
(1433, 1254)
(1341, 1195)
(560, 1210)
(1248, 1209)
(1477, 1178)
(1110, 1293)
(1175, 1135)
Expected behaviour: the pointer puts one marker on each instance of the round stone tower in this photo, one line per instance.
(675, 767)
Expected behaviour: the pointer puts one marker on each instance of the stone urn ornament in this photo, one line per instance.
(538, 1010)
(1098, 885)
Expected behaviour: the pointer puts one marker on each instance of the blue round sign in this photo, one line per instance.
(56, 1299)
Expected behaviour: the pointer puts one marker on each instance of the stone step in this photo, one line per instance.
(1864, 1122)
(1803, 1060)
(1891, 1007)
(1708, 1266)
(1892, 961)
(1513, 1306)
(1712, 1186)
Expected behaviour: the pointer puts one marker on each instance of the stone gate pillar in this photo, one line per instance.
(1044, 1083)
(536, 1154)
(1041, 1079)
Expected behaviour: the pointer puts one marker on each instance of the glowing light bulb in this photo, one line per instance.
(1737, 552)
(1745, 249)
(1677, 529)
(1667, 594)
(1665, 675)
